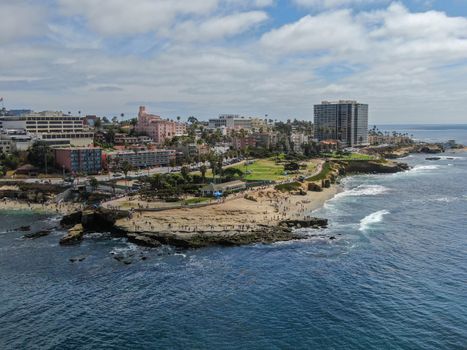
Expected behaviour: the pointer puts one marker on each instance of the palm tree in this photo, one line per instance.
(126, 167)
(203, 169)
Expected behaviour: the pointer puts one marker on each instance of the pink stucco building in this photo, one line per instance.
(157, 128)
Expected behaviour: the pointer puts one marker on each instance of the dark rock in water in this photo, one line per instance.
(312, 222)
(431, 149)
(144, 257)
(143, 240)
(24, 228)
(433, 158)
(34, 235)
(74, 236)
(101, 220)
(71, 220)
(124, 258)
(78, 258)
(332, 238)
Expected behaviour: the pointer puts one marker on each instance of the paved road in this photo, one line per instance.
(110, 176)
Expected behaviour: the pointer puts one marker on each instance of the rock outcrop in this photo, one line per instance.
(37, 234)
(372, 167)
(208, 238)
(74, 236)
(312, 222)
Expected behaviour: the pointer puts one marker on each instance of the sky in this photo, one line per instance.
(406, 59)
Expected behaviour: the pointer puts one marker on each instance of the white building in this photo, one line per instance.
(19, 140)
(141, 159)
(55, 128)
(230, 121)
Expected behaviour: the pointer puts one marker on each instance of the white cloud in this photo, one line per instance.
(335, 31)
(379, 57)
(335, 3)
(112, 17)
(219, 27)
(20, 19)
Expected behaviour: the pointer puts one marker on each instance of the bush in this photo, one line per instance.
(323, 174)
(288, 187)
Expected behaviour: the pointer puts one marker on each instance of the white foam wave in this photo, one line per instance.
(446, 199)
(364, 190)
(127, 249)
(371, 219)
(425, 167)
(450, 158)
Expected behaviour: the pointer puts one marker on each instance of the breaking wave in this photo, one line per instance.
(425, 167)
(371, 219)
(364, 190)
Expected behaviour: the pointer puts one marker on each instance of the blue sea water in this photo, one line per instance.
(395, 277)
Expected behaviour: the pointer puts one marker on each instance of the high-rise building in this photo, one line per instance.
(345, 121)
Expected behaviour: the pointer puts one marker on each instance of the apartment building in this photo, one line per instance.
(345, 121)
(79, 160)
(140, 159)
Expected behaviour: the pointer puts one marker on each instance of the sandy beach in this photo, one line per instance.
(265, 207)
(47, 208)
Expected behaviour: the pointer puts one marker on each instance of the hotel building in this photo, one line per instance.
(54, 128)
(156, 128)
(345, 121)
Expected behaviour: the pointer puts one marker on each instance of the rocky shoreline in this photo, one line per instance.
(80, 223)
(164, 228)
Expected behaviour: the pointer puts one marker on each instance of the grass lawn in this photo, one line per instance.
(196, 200)
(322, 175)
(352, 156)
(263, 169)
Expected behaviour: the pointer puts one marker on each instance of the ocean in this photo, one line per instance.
(395, 277)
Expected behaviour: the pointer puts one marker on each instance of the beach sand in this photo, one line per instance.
(268, 208)
(47, 208)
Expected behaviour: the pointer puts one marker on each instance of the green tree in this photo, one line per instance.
(126, 167)
(203, 169)
(40, 155)
(185, 172)
(93, 183)
(192, 120)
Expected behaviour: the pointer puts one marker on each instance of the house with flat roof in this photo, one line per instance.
(232, 186)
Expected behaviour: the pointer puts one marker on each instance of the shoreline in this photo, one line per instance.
(271, 217)
(260, 215)
(7, 204)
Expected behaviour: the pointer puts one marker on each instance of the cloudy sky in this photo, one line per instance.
(407, 59)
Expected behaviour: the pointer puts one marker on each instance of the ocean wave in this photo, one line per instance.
(364, 190)
(425, 167)
(371, 219)
(127, 249)
(446, 199)
(451, 158)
